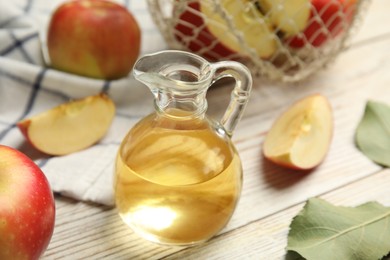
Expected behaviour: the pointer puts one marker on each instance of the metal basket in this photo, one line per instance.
(285, 40)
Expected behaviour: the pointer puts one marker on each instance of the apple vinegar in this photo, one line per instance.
(176, 182)
(178, 176)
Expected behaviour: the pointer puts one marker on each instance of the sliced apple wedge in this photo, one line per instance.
(290, 16)
(300, 137)
(255, 29)
(191, 32)
(70, 127)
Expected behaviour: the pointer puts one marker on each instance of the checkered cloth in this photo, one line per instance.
(27, 87)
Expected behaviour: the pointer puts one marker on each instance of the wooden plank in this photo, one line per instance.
(374, 17)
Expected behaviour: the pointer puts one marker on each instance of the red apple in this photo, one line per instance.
(327, 20)
(93, 38)
(204, 31)
(27, 209)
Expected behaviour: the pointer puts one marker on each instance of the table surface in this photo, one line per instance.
(271, 195)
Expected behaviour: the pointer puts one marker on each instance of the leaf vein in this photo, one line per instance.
(381, 121)
(383, 216)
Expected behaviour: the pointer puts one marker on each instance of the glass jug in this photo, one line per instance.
(178, 176)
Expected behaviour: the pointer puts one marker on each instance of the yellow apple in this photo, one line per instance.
(70, 127)
(301, 136)
(289, 16)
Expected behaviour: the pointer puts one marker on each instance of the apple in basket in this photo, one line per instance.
(328, 19)
(27, 208)
(300, 137)
(93, 38)
(71, 126)
(202, 29)
(289, 17)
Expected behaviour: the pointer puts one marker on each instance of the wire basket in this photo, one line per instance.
(284, 40)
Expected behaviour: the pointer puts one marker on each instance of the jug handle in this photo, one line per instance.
(240, 94)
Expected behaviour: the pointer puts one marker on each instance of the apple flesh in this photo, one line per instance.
(328, 19)
(210, 35)
(291, 16)
(192, 32)
(27, 208)
(93, 38)
(300, 137)
(70, 127)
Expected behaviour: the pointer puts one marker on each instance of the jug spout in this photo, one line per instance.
(146, 70)
(177, 79)
(174, 70)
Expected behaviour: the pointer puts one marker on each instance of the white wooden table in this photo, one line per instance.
(271, 196)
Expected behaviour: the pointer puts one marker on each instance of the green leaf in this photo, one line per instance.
(324, 231)
(373, 133)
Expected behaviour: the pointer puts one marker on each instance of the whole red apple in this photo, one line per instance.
(327, 20)
(93, 38)
(27, 208)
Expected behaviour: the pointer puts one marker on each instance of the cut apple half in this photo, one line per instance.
(192, 32)
(255, 30)
(70, 127)
(300, 137)
(290, 16)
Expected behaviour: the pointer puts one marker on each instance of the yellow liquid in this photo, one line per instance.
(176, 186)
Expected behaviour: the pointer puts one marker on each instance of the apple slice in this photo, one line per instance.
(70, 127)
(290, 16)
(192, 32)
(203, 30)
(300, 137)
(256, 30)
